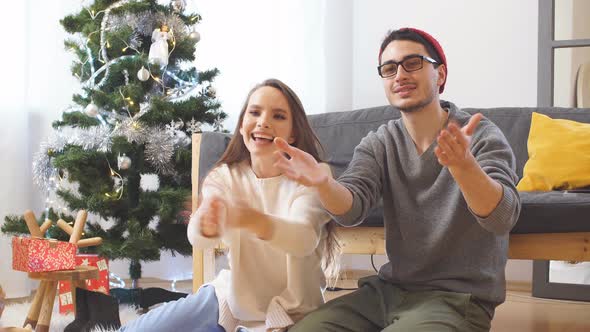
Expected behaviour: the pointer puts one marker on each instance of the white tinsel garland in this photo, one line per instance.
(93, 138)
(159, 150)
(42, 167)
(134, 130)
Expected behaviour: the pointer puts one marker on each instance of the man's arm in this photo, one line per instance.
(487, 179)
(348, 199)
(480, 191)
(335, 198)
(303, 168)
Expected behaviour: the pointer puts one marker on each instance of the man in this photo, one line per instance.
(447, 182)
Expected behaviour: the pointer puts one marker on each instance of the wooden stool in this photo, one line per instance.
(42, 307)
(39, 315)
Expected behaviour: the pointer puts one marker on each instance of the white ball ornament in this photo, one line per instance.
(194, 36)
(123, 162)
(143, 74)
(91, 110)
(149, 182)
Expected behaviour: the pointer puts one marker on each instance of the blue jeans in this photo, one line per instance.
(197, 312)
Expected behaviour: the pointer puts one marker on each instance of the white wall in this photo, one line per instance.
(36, 85)
(267, 38)
(491, 48)
(326, 50)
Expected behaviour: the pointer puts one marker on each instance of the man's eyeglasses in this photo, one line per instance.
(411, 63)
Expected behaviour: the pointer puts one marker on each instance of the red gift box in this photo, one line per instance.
(30, 254)
(100, 285)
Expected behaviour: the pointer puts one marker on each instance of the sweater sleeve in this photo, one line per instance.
(213, 185)
(299, 233)
(494, 155)
(363, 179)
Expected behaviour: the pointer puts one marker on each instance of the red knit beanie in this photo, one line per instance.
(434, 43)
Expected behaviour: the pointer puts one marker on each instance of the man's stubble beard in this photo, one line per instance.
(418, 106)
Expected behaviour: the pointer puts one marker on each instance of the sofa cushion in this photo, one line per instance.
(212, 147)
(542, 212)
(340, 132)
(515, 123)
(559, 155)
(553, 212)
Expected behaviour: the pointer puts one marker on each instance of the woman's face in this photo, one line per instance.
(267, 116)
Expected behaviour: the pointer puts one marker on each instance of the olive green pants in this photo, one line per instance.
(380, 306)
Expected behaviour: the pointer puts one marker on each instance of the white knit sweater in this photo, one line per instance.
(273, 283)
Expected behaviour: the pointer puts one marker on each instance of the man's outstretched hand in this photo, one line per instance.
(302, 167)
(453, 143)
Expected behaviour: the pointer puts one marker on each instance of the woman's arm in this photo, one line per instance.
(298, 232)
(206, 224)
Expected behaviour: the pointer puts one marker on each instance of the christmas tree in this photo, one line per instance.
(122, 150)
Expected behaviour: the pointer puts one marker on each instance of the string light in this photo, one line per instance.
(118, 182)
(94, 14)
(127, 99)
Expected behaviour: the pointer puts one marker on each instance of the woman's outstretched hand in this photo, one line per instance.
(211, 214)
(302, 167)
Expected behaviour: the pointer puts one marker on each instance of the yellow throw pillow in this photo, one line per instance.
(559, 155)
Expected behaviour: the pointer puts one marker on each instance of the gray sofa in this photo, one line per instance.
(552, 225)
(542, 212)
(340, 132)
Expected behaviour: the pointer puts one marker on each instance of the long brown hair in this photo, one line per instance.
(305, 140)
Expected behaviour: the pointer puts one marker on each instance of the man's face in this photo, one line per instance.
(411, 91)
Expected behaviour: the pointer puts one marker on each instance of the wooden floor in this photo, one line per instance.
(520, 313)
(524, 313)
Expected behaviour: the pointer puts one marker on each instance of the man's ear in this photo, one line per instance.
(442, 75)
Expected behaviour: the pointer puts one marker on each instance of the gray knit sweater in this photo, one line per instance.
(433, 240)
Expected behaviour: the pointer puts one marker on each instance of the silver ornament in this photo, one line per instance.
(178, 5)
(123, 162)
(91, 110)
(194, 36)
(143, 74)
